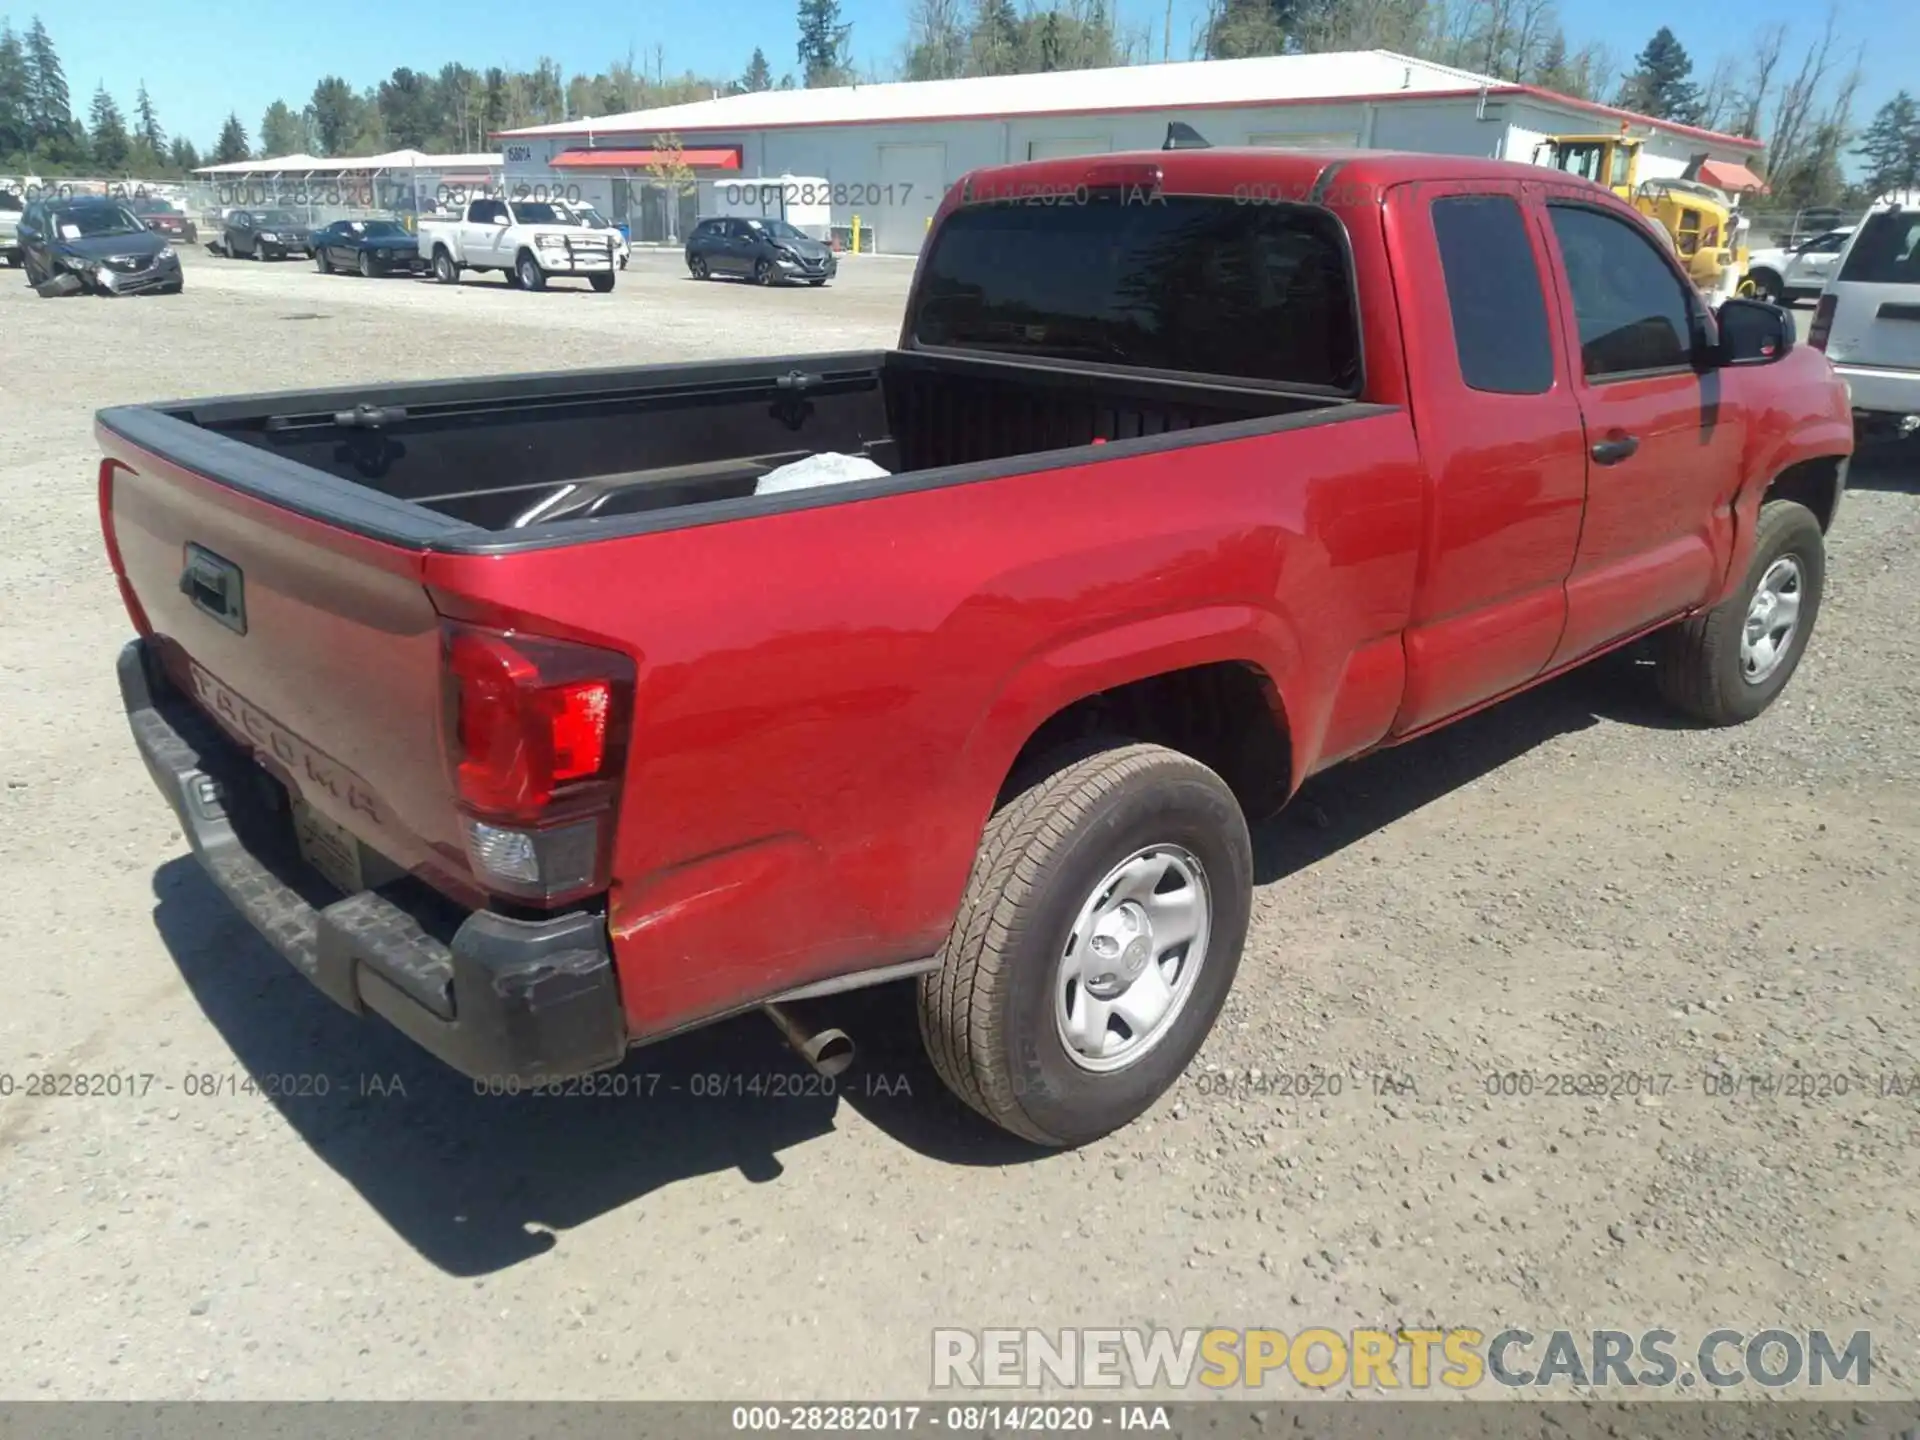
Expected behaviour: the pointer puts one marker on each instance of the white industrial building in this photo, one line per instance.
(889, 152)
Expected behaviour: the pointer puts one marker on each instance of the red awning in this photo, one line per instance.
(728, 159)
(1731, 176)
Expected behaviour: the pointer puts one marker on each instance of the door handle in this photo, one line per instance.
(1613, 450)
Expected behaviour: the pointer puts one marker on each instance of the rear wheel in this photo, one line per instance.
(1727, 665)
(444, 270)
(528, 272)
(1098, 937)
(602, 283)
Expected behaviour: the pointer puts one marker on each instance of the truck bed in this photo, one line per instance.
(546, 458)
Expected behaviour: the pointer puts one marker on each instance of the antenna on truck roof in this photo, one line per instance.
(1181, 136)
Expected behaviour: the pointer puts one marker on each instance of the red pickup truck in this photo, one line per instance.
(518, 712)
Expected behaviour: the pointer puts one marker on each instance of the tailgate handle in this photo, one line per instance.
(214, 586)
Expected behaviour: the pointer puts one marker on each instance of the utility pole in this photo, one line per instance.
(1166, 38)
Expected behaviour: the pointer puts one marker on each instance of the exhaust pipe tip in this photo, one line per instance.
(830, 1052)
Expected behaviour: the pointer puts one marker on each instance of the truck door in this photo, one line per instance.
(480, 232)
(1500, 436)
(1663, 448)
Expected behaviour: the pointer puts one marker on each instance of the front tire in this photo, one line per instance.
(368, 270)
(321, 263)
(763, 272)
(697, 267)
(601, 283)
(1725, 666)
(444, 270)
(1767, 286)
(528, 272)
(1098, 937)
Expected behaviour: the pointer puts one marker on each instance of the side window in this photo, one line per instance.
(1622, 161)
(1493, 288)
(1634, 313)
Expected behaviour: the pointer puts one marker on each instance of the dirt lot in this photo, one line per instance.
(1567, 883)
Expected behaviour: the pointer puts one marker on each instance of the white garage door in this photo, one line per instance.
(1307, 139)
(1064, 149)
(912, 182)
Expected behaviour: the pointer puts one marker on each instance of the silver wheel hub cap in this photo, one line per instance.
(1129, 964)
(1773, 615)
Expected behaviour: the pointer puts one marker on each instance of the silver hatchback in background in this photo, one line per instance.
(1869, 318)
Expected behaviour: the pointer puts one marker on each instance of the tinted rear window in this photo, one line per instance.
(1189, 283)
(1888, 250)
(1493, 289)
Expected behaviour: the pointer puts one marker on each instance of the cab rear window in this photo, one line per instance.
(1199, 284)
(1887, 251)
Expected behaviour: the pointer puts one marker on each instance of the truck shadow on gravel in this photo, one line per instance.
(477, 1183)
(1346, 804)
(1892, 465)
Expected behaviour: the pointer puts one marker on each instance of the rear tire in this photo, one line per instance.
(998, 1013)
(528, 272)
(1726, 665)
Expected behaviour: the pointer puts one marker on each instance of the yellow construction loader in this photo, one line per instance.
(1701, 220)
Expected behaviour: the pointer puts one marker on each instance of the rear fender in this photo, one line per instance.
(1051, 680)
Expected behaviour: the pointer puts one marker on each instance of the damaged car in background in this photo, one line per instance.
(95, 245)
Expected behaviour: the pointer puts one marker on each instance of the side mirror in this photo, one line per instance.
(1752, 332)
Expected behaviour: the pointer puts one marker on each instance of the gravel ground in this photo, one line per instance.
(1566, 883)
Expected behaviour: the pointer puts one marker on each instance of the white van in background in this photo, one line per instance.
(1869, 317)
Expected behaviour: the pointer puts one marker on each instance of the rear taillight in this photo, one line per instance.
(1822, 323)
(136, 612)
(535, 732)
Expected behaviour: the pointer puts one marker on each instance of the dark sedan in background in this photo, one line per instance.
(266, 235)
(100, 245)
(768, 251)
(371, 247)
(160, 215)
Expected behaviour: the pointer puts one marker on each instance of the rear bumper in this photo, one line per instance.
(489, 995)
(1881, 392)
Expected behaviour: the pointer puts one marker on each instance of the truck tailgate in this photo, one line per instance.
(315, 647)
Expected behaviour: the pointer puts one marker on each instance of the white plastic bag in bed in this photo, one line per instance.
(827, 468)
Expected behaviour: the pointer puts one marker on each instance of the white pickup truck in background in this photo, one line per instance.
(530, 240)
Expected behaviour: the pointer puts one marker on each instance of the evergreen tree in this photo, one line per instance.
(823, 43)
(759, 74)
(182, 155)
(112, 146)
(16, 128)
(232, 144)
(1658, 85)
(49, 106)
(281, 132)
(1889, 148)
(149, 140)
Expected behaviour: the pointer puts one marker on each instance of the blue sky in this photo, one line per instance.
(201, 60)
